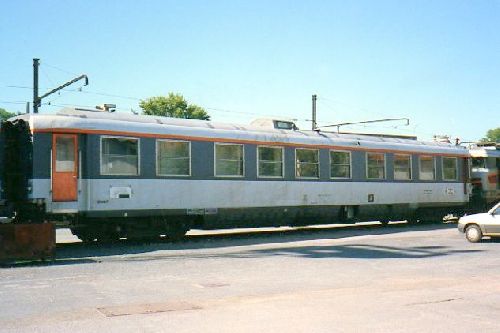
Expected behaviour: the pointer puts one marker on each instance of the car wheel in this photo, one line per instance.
(473, 233)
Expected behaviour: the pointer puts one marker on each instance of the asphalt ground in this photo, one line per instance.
(361, 278)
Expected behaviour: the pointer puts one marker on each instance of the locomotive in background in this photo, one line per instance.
(485, 175)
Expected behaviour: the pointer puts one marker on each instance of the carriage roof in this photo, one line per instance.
(74, 120)
(485, 151)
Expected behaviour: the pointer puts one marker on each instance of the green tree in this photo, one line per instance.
(173, 105)
(493, 135)
(4, 114)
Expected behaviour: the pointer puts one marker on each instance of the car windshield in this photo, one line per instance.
(496, 209)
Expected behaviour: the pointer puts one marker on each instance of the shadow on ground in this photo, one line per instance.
(362, 251)
(124, 250)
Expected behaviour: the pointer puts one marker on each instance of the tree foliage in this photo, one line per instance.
(493, 135)
(173, 105)
(4, 114)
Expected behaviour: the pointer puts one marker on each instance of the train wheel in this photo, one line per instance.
(473, 233)
(173, 227)
(176, 231)
(142, 239)
(108, 238)
(384, 222)
(83, 235)
(108, 234)
(86, 238)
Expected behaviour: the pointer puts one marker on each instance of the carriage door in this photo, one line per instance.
(64, 167)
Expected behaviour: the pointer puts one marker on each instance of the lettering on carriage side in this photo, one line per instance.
(324, 197)
(201, 211)
(195, 211)
(102, 201)
(450, 191)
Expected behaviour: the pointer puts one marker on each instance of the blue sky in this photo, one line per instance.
(435, 62)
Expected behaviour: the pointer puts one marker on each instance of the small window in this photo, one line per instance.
(402, 167)
(307, 163)
(478, 163)
(229, 160)
(65, 154)
(375, 166)
(450, 168)
(270, 160)
(119, 156)
(427, 168)
(286, 125)
(340, 164)
(173, 158)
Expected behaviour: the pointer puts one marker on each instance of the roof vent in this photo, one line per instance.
(275, 124)
(106, 107)
(441, 138)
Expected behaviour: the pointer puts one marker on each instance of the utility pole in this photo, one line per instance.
(314, 124)
(37, 100)
(36, 64)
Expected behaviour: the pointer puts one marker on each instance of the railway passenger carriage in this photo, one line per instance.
(110, 175)
(485, 175)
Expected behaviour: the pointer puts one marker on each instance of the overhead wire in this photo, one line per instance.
(80, 90)
(12, 102)
(59, 69)
(18, 87)
(139, 99)
(323, 100)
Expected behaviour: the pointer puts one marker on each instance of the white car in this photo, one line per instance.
(478, 225)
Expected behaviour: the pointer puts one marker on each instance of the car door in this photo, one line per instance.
(492, 221)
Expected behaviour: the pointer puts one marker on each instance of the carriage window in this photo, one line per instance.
(340, 164)
(427, 168)
(270, 161)
(450, 168)
(478, 162)
(65, 154)
(375, 166)
(173, 158)
(119, 156)
(307, 163)
(402, 167)
(229, 160)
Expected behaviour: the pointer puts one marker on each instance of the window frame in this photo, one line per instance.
(385, 165)
(215, 159)
(282, 162)
(157, 141)
(318, 164)
(411, 166)
(443, 171)
(350, 162)
(420, 168)
(102, 137)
